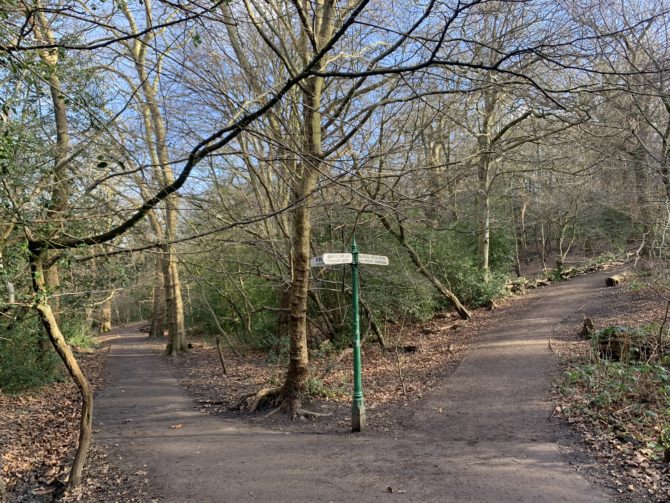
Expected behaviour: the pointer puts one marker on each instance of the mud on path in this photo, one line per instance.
(483, 434)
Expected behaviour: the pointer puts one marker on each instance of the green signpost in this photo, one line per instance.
(354, 258)
(358, 404)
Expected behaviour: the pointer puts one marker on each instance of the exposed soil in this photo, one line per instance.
(416, 358)
(456, 412)
(483, 433)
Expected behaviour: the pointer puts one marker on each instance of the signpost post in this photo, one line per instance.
(358, 416)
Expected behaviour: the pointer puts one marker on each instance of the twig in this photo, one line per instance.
(551, 347)
(400, 376)
(665, 320)
(218, 350)
(219, 327)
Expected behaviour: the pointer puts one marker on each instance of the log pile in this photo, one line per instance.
(520, 285)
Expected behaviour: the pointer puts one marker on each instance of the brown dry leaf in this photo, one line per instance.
(38, 436)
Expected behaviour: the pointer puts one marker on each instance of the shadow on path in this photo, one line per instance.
(483, 435)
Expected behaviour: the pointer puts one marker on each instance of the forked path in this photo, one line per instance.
(482, 435)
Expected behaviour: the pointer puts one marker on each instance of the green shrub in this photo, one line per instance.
(623, 396)
(315, 387)
(237, 310)
(472, 286)
(77, 332)
(22, 363)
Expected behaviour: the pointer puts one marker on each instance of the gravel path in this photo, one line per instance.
(483, 435)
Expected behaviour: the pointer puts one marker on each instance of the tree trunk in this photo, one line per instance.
(11, 294)
(70, 362)
(158, 316)
(484, 239)
(58, 203)
(305, 184)
(174, 305)
(155, 138)
(482, 199)
(296, 375)
(638, 156)
(106, 316)
(483, 203)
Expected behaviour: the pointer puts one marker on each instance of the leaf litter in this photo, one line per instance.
(38, 438)
(615, 432)
(38, 431)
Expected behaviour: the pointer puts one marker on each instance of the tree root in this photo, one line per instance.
(252, 401)
(273, 412)
(309, 413)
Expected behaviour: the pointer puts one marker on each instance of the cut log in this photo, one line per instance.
(616, 279)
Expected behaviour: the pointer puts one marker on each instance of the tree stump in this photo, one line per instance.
(587, 327)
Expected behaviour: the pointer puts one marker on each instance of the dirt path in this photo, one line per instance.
(483, 435)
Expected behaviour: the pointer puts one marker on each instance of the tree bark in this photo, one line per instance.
(11, 294)
(307, 177)
(158, 314)
(175, 314)
(58, 203)
(482, 199)
(63, 349)
(296, 375)
(638, 157)
(106, 316)
(155, 137)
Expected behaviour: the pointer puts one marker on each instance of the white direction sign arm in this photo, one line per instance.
(331, 259)
(372, 259)
(347, 258)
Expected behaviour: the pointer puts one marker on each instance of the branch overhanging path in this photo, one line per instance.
(483, 434)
